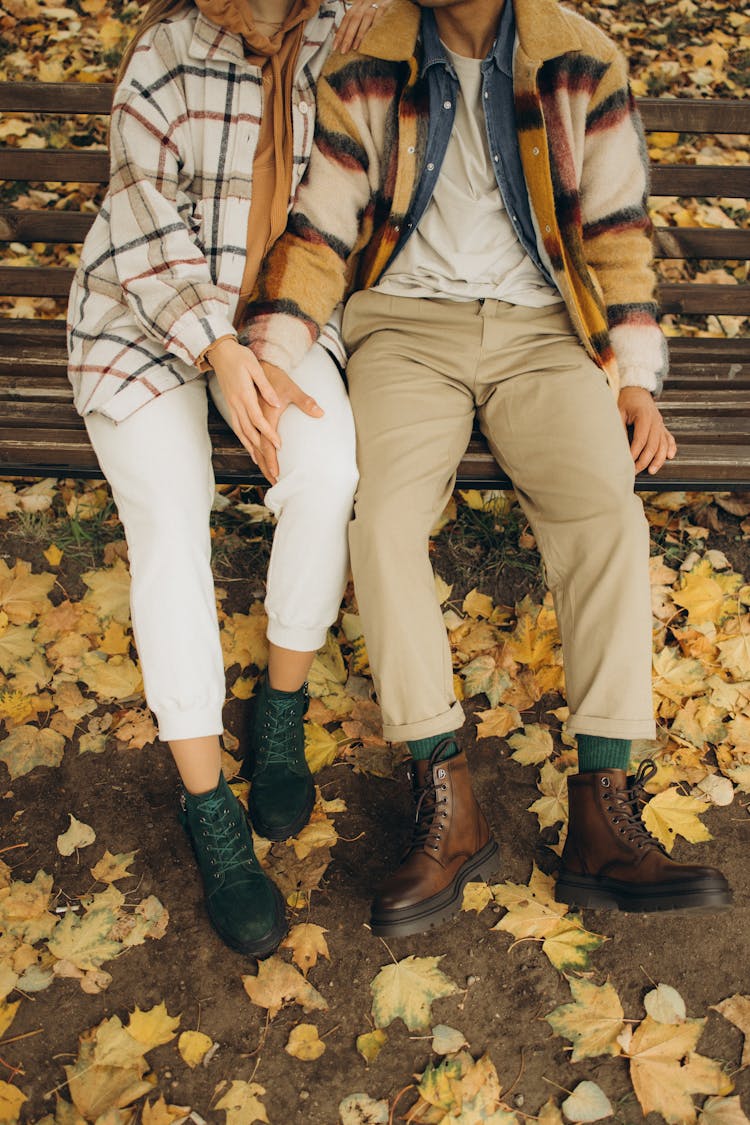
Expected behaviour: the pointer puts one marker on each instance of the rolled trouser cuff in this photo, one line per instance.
(611, 728)
(298, 638)
(445, 723)
(203, 722)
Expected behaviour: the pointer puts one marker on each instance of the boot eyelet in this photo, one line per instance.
(605, 783)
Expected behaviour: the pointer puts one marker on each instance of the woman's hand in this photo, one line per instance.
(239, 374)
(288, 393)
(652, 444)
(362, 15)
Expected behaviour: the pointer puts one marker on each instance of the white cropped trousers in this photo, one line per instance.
(158, 463)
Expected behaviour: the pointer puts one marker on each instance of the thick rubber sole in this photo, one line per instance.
(426, 915)
(284, 831)
(267, 944)
(611, 894)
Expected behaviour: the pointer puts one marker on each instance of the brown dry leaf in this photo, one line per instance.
(736, 1009)
(365, 724)
(307, 943)
(136, 729)
(277, 984)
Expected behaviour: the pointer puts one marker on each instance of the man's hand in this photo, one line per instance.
(652, 444)
(239, 373)
(357, 22)
(287, 393)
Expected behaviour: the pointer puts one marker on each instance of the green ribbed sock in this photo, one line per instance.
(595, 753)
(421, 748)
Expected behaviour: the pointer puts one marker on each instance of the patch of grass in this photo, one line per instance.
(482, 543)
(79, 539)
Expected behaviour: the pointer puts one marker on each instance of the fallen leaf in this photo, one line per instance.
(669, 814)
(722, 1111)
(11, 1100)
(27, 747)
(592, 1022)
(307, 943)
(361, 1109)
(77, 835)
(277, 984)
(665, 1005)
(193, 1047)
(110, 867)
(533, 746)
(153, 1026)
(371, 1043)
(447, 1040)
(243, 1105)
(588, 1102)
(406, 991)
(305, 1043)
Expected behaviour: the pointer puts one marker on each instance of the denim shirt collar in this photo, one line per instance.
(433, 51)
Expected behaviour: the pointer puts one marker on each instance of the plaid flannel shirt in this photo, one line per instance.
(161, 269)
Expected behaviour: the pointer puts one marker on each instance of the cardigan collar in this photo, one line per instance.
(544, 31)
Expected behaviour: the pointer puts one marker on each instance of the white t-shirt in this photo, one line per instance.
(465, 246)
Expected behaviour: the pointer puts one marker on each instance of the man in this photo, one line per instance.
(480, 178)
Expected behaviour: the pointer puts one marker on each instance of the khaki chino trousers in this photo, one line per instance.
(419, 372)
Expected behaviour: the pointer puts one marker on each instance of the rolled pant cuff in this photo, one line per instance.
(298, 638)
(444, 723)
(611, 728)
(203, 723)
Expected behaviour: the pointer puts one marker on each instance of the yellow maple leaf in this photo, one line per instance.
(277, 984)
(532, 746)
(243, 639)
(532, 646)
(115, 640)
(568, 946)
(321, 747)
(666, 1071)
(700, 594)
(669, 814)
(111, 867)
(476, 897)
(407, 990)
(108, 595)
(23, 595)
(307, 942)
(592, 1022)
(26, 747)
(319, 832)
(160, 1113)
(53, 555)
(116, 678)
(497, 722)
(243, 1105)
(305, 1043)
(552, 806)
(153, 1027)
(7, 1015)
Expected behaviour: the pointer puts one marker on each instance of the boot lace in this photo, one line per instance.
(626, 805)
(279, 723)
(428, 814)
(222, 838)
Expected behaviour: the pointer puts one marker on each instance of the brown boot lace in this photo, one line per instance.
(428, 814)
(626, 805)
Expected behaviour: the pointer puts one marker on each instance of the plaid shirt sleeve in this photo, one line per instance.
(165, 277)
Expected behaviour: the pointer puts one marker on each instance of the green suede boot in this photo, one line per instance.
(282, 792)
(245, 907)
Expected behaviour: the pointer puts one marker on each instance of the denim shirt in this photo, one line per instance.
(499, 112)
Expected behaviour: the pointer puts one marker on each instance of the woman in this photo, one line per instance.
(211, 130)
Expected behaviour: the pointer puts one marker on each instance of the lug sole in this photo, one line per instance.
(434, 911)
(285, 831)
(264, 946)
(609, 894)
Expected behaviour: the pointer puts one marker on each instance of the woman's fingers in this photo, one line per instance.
(356, 23)
(258, 376)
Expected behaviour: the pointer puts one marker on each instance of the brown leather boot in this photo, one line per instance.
(610, 860)
(450, 847)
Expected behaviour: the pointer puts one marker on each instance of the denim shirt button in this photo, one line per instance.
(411, 149)
(447, 105)
(430, 167)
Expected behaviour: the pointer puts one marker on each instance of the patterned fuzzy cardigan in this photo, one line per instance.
(586, 171)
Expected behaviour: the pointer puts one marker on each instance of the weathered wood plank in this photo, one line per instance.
(56, 97)
(692, 297)
(43, 226)
(54, 165)
(729, 181)
(690, 242)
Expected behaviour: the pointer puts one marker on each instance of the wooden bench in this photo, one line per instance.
(706, 401)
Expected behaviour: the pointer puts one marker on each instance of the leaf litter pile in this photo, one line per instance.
(520, 1007)
(117, 1001)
